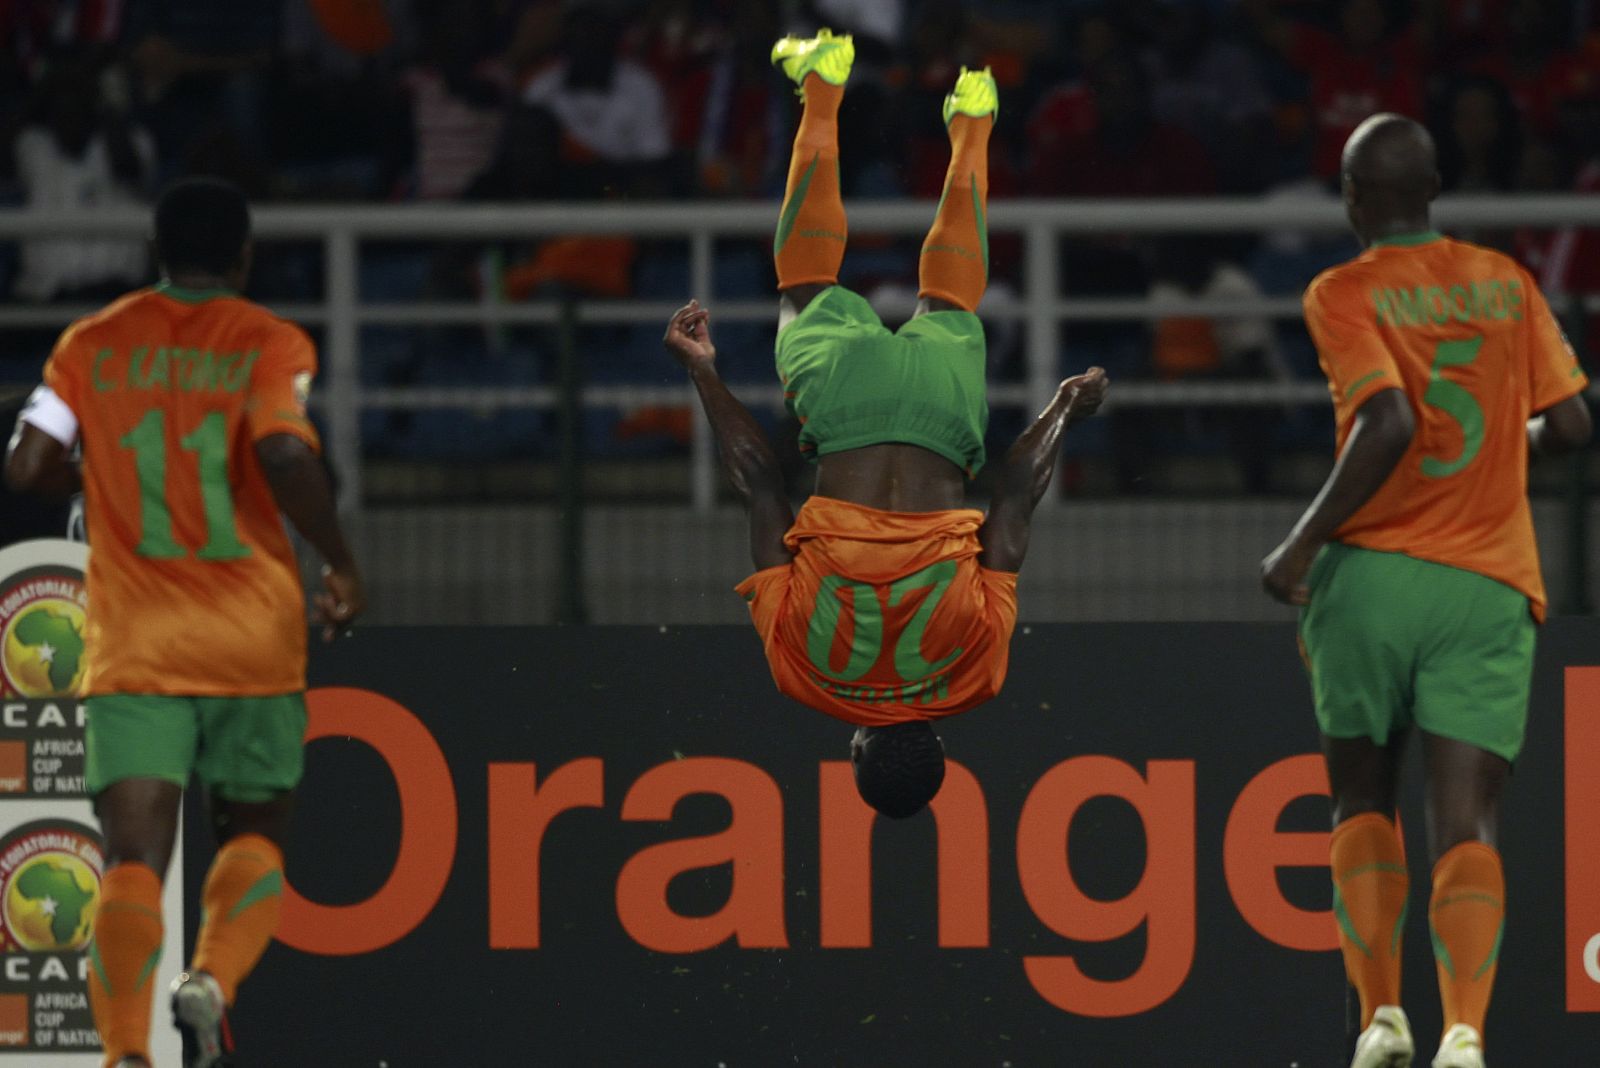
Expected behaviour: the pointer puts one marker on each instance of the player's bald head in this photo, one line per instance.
(899, 768)
(1391, 174)
(1392, 153)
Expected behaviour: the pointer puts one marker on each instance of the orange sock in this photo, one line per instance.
(809, 246)
(1468, 918)
(1370, 888)
(242, 899)
(955, 259)
(123, 958)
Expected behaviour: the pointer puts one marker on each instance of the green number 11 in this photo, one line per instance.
(209, 443)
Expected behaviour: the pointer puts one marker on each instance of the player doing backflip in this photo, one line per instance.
(189, 403)
(884, 603)
(1419, 576)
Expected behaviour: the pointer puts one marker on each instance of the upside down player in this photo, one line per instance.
(1419, 574)
(189, 402)
(885, 603)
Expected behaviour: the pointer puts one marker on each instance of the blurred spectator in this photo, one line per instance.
(612, 110)
(1366, 65)
(201, 65)
(1479, 138)
(677, 41)
(32, 30)
(739, 141)
(1125, 151)
(726, 111)
(1460, 32)
(1197, 347)
(1538, 64)
(524, 170)
(1065, 111)
(459, 95)
(1210, 86)
(76, 155)
(343, 40)
(1566, 260)
(340, 62)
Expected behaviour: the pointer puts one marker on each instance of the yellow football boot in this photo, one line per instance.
(828, 56)
(975, 94)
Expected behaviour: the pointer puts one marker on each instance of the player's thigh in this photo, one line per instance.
(252, 749)
(139, 736)
(1473, 681)
(929, 305)
(1359, 645)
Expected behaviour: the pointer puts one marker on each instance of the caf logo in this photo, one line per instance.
(41, 632)
(49, 886)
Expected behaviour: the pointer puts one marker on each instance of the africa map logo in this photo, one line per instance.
(49, 886)
(42, 633)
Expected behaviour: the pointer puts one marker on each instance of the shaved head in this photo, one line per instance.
(1390, 175)
(1391, 151)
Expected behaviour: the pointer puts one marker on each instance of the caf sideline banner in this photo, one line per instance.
(618, 845)
(50, 847)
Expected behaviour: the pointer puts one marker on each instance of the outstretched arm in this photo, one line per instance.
(1381, 434)
(747, 456)
(1029, 466)
(301, 487)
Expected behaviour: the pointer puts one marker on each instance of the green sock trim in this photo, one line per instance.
(1399, 928)
(1346, 924)
(1378, 865)
(983, 226)
(99, 965)
(1494, 954)
(148, 970)
(1440, 953)
(791, 207)
(268, 886)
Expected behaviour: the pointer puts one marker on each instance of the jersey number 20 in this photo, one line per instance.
(209, 442)
(866, 644)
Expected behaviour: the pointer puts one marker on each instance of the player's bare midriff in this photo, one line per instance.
(892, 477)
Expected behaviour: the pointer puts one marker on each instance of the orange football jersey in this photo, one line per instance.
(192, 584)
(1465, 332)
(884, 617)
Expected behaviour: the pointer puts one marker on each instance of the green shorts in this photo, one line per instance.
(241, 748)
(1393, 641)
(852, 382)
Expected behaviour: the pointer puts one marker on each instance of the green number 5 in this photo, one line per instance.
(1454, 400)
(209, 443)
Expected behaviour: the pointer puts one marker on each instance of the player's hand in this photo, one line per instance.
(1085, 393)
(340, 601)
(1283, 572)
(689, 336)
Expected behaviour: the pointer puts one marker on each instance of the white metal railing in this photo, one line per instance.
(1041, 306)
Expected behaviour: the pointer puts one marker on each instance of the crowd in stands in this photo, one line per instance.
(101, 101)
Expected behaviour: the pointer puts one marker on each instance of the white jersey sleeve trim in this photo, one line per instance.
(50, 413)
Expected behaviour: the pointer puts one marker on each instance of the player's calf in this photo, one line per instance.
(127, 943)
